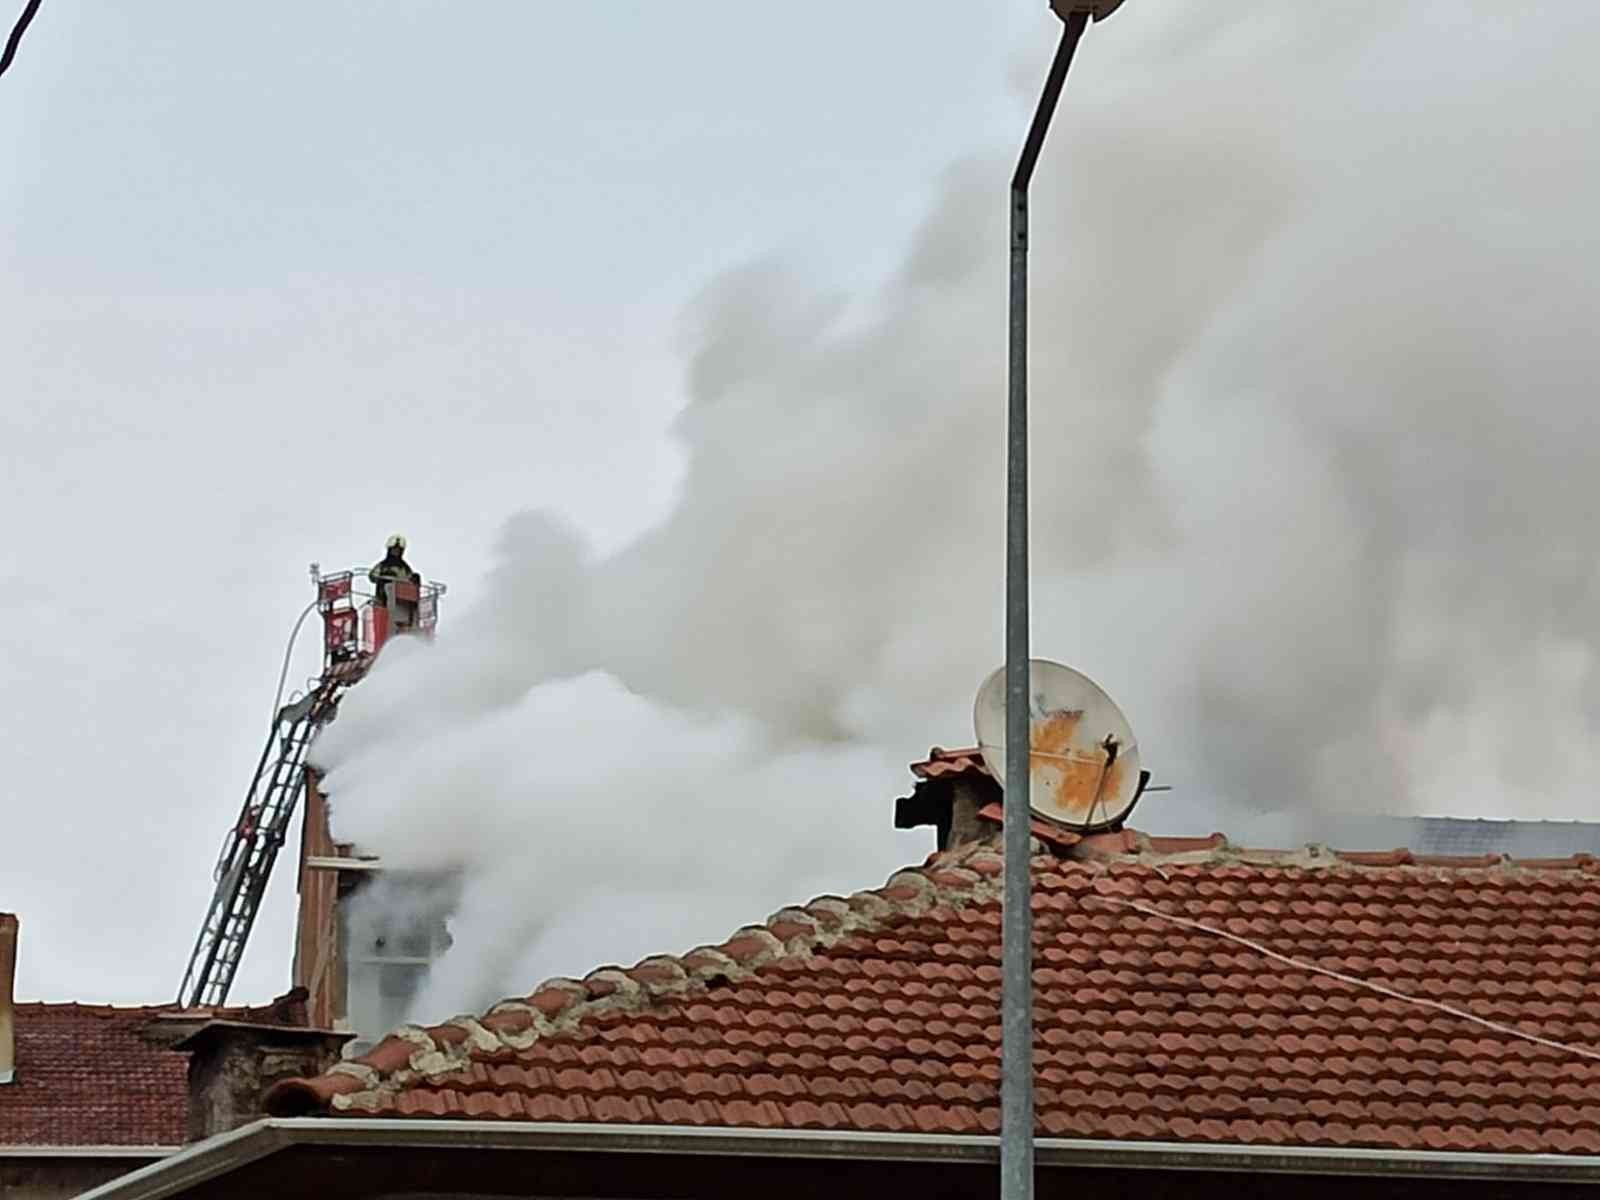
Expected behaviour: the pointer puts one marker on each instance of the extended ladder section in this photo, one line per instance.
(252, 846)
(353, 633)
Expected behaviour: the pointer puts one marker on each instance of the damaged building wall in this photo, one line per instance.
(392, 929)
(366, 937)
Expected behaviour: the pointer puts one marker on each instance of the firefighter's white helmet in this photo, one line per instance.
(397, 542)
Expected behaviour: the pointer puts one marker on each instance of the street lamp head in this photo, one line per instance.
(1098, 9)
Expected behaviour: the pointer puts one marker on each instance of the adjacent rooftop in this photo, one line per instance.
(99, 1075)
(89, 1075)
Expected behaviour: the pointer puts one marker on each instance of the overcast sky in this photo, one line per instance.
(1316, 503)
(278, 281)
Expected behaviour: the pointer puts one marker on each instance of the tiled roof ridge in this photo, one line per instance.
(1134, 846)
(557, 1006)
(169, 1008)
(942, 763)
(93, 1009)
(954, 878)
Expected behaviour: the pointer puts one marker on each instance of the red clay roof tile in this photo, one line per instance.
(879, 1012)
(942, 763)
(1045, 831)
(86, 1075)
(101, 1075)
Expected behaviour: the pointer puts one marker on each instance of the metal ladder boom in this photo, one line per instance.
(252, 845)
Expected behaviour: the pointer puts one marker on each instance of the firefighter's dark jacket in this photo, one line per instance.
(391, 567)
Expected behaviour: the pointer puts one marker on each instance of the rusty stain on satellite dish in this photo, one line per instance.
(1084, 759)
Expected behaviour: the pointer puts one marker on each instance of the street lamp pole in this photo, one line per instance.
(1016, 1005)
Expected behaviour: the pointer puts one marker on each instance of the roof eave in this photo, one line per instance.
(228, 1152)
(87, 1151)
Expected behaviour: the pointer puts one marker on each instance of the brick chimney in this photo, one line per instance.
(233, 1063)
(953, 788)
(8, 980)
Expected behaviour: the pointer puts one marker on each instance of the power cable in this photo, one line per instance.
(1150, 910)
(21, 27)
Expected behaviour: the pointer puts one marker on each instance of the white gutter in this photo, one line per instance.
(197, 1164)
(87, 1151)
(229, 1151)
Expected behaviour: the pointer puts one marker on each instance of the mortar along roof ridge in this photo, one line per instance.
(555, 1007)
(1132, 847)
(943, 763)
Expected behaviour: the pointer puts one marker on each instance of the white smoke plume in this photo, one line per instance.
(1315, 474)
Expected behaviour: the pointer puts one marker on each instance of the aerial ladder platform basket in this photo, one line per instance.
(356, 626)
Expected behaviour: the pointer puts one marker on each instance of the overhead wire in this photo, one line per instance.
(10, 52)
(1150, 910)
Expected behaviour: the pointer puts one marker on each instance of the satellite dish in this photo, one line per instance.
(1085, 760)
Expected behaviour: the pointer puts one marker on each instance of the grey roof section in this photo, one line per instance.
(1459, 835)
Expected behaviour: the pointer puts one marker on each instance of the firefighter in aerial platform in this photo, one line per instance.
(394, 566)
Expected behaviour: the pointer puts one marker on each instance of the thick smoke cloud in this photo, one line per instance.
(1315, 469)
